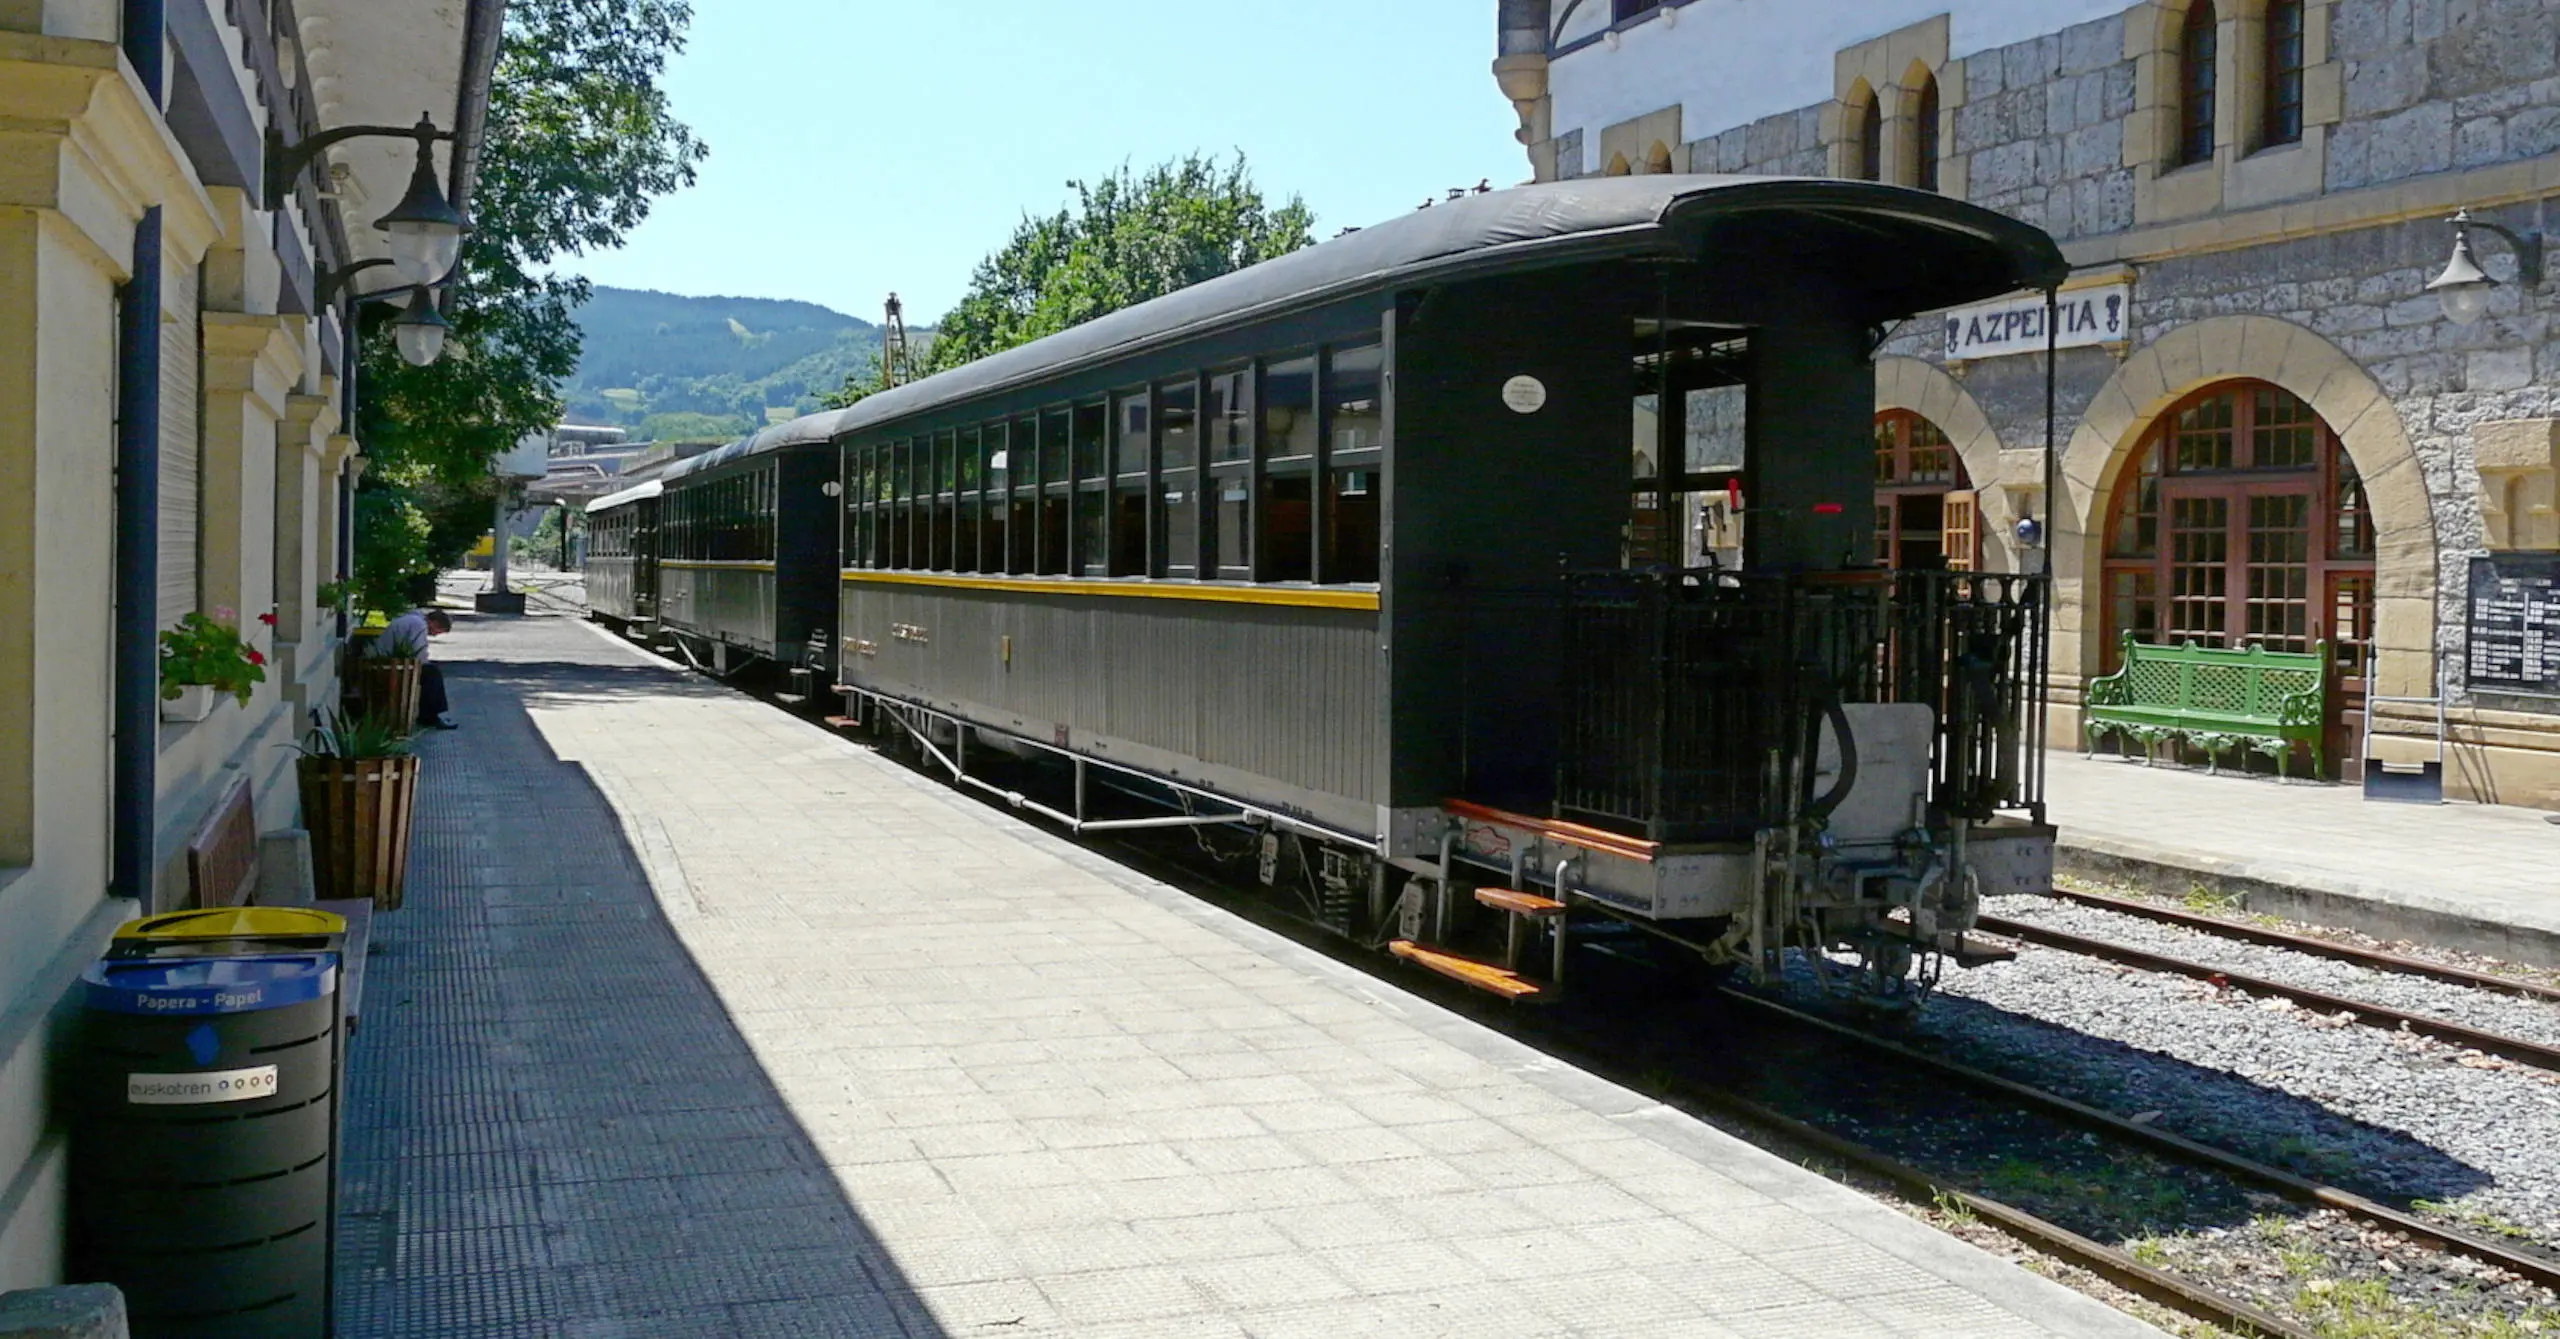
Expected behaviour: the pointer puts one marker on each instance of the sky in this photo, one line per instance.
(864, 146)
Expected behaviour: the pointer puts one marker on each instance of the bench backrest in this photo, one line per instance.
(222, 856)
(2249, 681)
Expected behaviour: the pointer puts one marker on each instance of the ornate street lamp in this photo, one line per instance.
(2464, 287)
(425, 230)
(421, 329)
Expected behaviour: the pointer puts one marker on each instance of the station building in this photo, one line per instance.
(174, 374)
(2268, 428)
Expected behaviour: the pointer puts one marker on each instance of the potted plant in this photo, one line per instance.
(204, 656)
(359, 782)
(386, 683)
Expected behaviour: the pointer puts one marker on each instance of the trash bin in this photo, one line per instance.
(230, 931)
(204, 1091)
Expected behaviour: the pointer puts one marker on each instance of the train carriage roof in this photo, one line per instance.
(1929, 251)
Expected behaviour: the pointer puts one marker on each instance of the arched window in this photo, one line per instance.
(2197, 45)
(1870, 159)
(2242, 519)
(1924, 135)
(2283, 92)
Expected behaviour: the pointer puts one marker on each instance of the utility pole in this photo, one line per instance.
(897, 363)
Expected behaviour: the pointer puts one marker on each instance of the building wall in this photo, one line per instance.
(84, 151)
(2302, 264)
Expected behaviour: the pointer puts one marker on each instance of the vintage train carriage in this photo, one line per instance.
(746, 555)
(1530, 531)
(622, 556)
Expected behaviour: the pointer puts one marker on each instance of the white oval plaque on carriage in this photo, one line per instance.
(1525, 394)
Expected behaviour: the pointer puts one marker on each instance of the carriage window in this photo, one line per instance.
(1355, 408)
(1055, 494)
(1132, 437)
(997, 505)
(1022, 502)
(1177, 500)
(970, 466)
(946, 450)
(1288, 482)
(1227, 501)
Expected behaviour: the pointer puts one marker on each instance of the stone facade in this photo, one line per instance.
(2300, 263)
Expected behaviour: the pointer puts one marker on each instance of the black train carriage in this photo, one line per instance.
(622, 557)
(744, 543)
(1419, 550)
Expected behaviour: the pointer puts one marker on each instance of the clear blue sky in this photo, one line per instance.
(860, 146)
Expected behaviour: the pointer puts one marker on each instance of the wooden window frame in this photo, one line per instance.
(1896, 479)
(2329, 561)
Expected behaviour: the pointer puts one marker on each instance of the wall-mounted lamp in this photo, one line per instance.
(421, 329)
(2464, 287)
(425, 230)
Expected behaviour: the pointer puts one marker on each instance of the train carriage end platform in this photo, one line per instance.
(702, 1021)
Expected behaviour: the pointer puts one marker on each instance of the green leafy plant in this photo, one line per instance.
(335, 596)
(348, 737)
(207, 649)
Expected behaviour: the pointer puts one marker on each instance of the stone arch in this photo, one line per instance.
(1657, 160)
(2356, 408)
(1914, 127)
(1926, 389)
(1617, 166)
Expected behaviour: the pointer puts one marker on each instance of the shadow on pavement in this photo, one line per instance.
(554, 1126)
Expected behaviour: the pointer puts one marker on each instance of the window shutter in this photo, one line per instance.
(1960, 536)
(181, 440)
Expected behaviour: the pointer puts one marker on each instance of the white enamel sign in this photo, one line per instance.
(1525, 395)
(217, 1085)
(2099, 315)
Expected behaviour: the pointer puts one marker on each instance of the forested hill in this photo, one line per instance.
(669, 366)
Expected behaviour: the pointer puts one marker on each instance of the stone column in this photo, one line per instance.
(306, 509)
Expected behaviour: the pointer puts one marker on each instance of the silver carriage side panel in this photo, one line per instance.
(730, 602)
(1273, 704)
(608, 583)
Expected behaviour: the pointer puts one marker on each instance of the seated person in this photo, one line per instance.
(409, 635)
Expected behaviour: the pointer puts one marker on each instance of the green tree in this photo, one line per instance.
(579, 141)
(1124, 239)
(690, 427)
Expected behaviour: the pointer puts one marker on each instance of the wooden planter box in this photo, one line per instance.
(358, 812)
(388, 687)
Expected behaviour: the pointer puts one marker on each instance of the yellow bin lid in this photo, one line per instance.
(235, 923)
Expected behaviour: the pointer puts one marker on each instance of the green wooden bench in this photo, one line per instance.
(2214, 699)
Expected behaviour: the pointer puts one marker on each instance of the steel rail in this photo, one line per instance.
(2532, 1053)
(2051, 1238)
(2541, 1269)
(2313, 946)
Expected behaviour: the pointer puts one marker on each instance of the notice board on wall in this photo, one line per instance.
(2515, 623)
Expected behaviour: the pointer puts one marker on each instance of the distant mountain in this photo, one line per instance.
(706, 367)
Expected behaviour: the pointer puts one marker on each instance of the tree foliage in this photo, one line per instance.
(1124, 239)
(579, 141)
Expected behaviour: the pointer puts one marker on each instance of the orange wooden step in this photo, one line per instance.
(1483, 976)
(1519, 903)
(842, 723)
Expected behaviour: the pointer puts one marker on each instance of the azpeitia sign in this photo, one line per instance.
(2098, 315)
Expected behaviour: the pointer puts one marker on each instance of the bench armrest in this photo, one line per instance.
(2114, 690)
(2303, 706)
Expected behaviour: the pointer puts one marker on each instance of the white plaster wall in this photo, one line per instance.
(1731, 62)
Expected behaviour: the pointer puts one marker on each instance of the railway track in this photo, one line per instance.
(2365, 1012)
(2311, 945)
(2536, 1266)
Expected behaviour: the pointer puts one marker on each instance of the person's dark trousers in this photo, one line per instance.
(431, 703)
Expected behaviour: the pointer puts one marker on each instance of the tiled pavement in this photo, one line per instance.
(700, 1021)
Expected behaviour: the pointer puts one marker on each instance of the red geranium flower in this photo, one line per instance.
(256, 659)
(268, 618)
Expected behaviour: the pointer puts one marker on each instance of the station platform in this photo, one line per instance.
(2478, 877)
(700, 1020)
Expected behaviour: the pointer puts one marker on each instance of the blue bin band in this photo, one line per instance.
(192, 987)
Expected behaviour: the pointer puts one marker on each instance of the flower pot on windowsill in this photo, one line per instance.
(193, 703)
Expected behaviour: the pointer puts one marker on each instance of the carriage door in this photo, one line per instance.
(644, 561)
(1925, 512)
(2241, 520)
